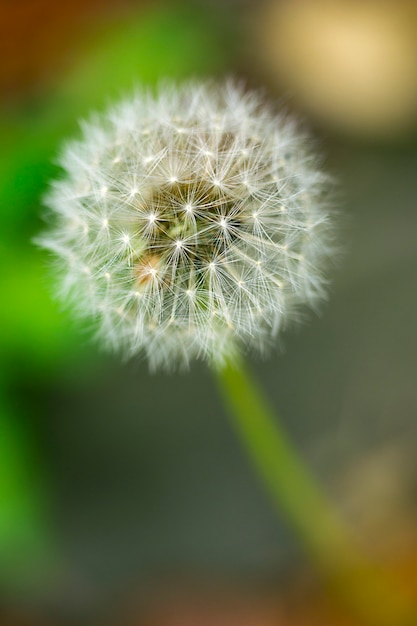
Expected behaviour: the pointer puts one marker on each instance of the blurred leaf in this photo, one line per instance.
(30, 322)
(23, 534)
(166, 42)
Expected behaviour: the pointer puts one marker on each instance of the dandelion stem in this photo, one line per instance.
(371, 594)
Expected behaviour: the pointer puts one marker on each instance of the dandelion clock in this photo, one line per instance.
(192, 223)
(189, 224)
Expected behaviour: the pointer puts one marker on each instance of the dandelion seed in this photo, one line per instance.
(213, 246)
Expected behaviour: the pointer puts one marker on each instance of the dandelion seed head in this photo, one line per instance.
(205, 209)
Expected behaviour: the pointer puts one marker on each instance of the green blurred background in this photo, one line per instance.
(124, 496)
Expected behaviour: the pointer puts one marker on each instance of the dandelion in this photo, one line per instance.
(192, 224)
(189, 224)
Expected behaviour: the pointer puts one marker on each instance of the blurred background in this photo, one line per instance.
(125, 498)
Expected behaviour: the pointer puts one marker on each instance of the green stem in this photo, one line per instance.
(294, 492)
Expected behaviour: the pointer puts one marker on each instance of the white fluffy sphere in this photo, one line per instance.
(190, 223)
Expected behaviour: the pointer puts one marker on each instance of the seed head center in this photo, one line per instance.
(186, 217)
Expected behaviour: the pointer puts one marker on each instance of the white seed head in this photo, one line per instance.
(189, 223)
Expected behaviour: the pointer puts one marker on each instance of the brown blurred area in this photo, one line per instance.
(38, 39)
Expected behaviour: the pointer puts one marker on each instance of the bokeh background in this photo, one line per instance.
(125, 498)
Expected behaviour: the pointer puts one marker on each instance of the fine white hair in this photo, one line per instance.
(189, 223)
